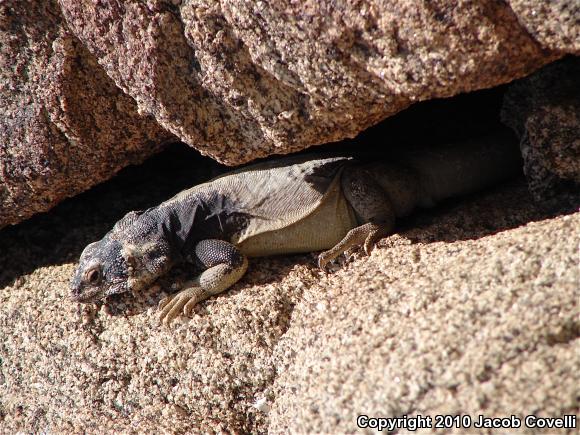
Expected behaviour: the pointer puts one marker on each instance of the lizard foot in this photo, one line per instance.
(363, 236)
(212, 281)
(183, 302)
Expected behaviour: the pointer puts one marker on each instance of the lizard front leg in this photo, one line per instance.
(374, 212)
(225, 266)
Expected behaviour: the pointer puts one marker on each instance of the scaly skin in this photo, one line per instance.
(292, 205)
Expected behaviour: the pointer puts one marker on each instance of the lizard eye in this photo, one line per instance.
(93, 276)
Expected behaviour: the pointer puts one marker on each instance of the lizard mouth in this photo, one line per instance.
(94, 294)
(86, 296)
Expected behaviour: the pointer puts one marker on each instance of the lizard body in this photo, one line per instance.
(292, 205)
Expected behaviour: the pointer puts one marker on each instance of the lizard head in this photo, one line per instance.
(130, 257)
(102, 271)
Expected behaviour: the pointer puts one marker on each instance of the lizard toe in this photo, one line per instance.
(350, 254)
(182, 302)
(374, 235)
(368, 246)
(322, 262)
(168, 311)
(189, 307)
(163, 302)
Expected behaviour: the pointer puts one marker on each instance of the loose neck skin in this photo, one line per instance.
(193, 216)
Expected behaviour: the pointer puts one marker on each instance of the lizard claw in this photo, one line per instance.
(350, 254)
(163, 302)
(368, 247)
(189, 306)
(372, 238)
(323, 261)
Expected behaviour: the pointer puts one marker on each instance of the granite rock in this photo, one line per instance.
(239, 80)
(544, 111)
(90, 86)
(555, 24)
(65, 126)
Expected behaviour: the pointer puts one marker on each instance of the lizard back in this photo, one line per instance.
(267, 197)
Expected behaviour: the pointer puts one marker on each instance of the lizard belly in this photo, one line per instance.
(322, 229)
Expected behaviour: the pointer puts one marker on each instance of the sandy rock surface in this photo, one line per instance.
(472, 308)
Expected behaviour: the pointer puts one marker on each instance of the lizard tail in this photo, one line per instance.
(466, 167)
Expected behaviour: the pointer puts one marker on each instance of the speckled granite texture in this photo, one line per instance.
(472, 308)
(64, 125)
(555, 24)
(243, 79)
(89, 87)
(544, 111)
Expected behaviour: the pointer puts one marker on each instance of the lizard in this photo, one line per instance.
(297, 204)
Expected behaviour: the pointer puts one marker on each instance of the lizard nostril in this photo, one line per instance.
(76, 295)
(75, 288)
